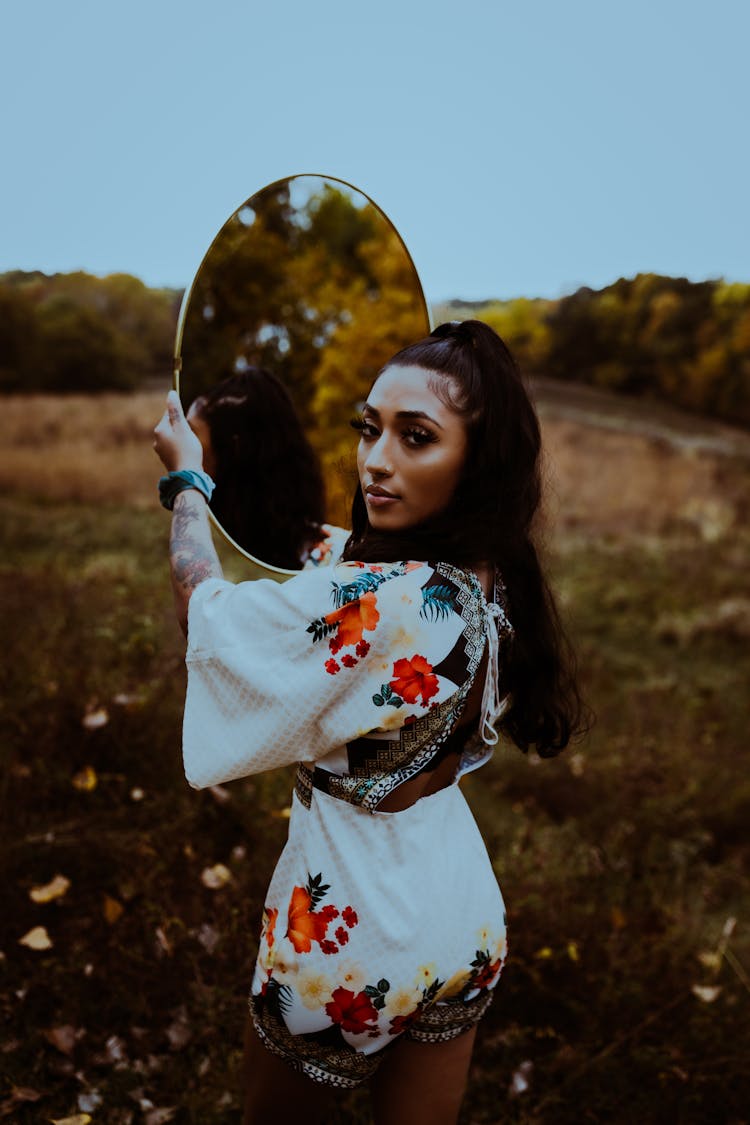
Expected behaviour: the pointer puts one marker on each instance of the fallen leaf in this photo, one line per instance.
(544, 954)
(179, 1034)
(220, 794)
(94, 720)
(160, 1116)
(164, 943)
(573, 951)
(521, 1079)
(76, 1119)
(90, 1101)
(56, 888)
(37, 938)
(710, 960)
(112, 909)
(239, 852)
(208, 937)
(62, 1038)
(24, 1094)
(137, 794)
(706, 993)
(85, 780)
(618, 918)
(215, 877)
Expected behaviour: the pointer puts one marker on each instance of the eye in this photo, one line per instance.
(364, 428)
(415, 437)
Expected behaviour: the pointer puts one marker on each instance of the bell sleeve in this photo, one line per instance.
(283, 673)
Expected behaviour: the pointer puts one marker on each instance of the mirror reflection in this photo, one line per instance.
(304, 294)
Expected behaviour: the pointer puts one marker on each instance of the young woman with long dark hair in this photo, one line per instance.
(386, 677)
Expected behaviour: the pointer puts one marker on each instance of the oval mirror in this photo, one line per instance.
(303, 295)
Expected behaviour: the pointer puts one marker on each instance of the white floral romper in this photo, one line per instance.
(376, 924)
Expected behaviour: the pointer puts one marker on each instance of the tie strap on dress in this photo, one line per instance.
(493, 705)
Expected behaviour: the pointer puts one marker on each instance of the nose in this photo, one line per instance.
(378, 460)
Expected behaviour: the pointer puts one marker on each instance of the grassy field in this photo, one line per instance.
(624, 862)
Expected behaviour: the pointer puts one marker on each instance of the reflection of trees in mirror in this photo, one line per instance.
(269, 489)
(310, 280)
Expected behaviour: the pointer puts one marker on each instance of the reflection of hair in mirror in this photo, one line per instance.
(489, 520)
(269, 492)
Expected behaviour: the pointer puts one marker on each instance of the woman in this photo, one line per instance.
(250, 432)
(384, 928)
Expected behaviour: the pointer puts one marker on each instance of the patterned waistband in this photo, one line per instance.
(304, 783)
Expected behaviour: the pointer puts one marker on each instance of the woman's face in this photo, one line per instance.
(200, 428)
(411, 450)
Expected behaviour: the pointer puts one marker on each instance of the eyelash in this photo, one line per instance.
(418, 436)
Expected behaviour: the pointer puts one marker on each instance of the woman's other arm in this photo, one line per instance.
(192, 555)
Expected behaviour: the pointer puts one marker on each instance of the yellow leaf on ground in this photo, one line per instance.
(76, 1119)
(56, 888)
(112, 909)
(38, 939)
(544, 953)
(215, 877)
(85, 779)
(573, 951)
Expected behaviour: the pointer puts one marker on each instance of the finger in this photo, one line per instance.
(174, 408)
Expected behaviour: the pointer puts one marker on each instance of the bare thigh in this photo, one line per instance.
(422, 1083)
(275, 1091)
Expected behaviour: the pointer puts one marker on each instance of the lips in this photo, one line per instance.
(376, 490)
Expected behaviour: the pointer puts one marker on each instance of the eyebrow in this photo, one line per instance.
(419, 414)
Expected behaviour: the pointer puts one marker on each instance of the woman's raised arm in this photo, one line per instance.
(192, 555)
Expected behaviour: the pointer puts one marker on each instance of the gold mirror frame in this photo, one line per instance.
(419, 314)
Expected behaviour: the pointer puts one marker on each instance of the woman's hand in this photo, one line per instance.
(174, 441)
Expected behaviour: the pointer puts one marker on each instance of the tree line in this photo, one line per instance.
(683, 342)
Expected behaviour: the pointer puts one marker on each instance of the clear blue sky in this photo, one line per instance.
(521, 148)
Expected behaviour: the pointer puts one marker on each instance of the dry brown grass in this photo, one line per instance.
(601, 478)
(80, 447)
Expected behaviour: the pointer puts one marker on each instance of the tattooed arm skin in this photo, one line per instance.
(192, 555)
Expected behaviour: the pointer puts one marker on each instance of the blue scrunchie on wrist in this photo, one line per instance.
(171, 485)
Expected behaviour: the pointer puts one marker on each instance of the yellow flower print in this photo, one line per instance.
(284, 965)
(484, 937)
(501, 949)
(314, 988)
(453, 986)
(349, 975)
(426, 974)
(402, 1001)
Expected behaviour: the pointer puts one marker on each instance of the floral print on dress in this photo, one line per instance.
(355, 613)
(350, 1003)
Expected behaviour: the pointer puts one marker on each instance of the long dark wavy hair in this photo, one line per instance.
(269, 492)
(490, 519)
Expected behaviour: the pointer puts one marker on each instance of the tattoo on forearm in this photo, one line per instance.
(191, 548)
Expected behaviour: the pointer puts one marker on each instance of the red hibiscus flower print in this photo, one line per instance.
(400, 1023)
(362, 648)
(341, 935)
(329, 912)
(355, 617)
(413, 678)
(329, 946)
(350, 916)
(486, 975)
(305, 925)
(348, 660)
(351, 1012)
(332, 666)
